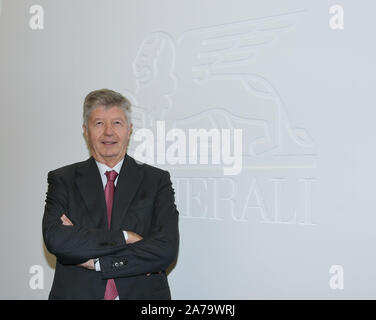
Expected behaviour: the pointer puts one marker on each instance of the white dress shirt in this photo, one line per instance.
(103, 168)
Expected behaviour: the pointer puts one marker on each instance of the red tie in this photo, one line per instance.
(111, 292)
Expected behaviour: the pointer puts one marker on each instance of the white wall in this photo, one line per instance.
(301, 92)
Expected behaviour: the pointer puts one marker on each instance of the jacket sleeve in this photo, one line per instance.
(154, 252)
(73, 244)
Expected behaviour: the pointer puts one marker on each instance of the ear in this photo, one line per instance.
(85, 131)
(130, 130)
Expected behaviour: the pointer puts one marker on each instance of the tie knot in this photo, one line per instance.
(111, 175)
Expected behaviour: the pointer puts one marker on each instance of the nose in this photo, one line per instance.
(108, 131)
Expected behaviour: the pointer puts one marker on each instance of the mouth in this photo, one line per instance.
(109, 143)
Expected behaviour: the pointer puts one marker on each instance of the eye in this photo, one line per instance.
(117, 122)
(98, 123)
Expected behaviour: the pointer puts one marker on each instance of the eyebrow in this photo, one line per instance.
(119, 119)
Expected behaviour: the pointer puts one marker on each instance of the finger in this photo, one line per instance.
(66, 221)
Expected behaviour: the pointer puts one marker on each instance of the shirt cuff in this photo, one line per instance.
(97, 265)
(125, 235)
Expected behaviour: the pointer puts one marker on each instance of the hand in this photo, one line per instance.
(88, 264)
(65, 220)
(148, 274)
(133, 237)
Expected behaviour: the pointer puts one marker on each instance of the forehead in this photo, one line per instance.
(107, 113)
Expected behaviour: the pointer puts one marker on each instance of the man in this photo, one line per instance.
(111, 223)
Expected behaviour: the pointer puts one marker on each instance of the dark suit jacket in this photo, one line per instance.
(143, 203)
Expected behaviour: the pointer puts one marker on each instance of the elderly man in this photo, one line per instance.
(111, 223)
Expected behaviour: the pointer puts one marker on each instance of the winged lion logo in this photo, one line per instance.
(205, 79)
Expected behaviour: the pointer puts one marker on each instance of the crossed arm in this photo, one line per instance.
(132, 238)
(79, 245)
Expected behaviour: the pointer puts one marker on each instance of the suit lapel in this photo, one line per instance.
(90, 185)
(127, 185)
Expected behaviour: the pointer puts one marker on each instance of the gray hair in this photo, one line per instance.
(108, 99)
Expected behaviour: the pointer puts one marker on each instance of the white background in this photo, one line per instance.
(302, 203)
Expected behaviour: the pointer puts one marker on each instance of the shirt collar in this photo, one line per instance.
(103, 168)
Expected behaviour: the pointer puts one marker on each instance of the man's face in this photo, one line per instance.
(108, 134)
